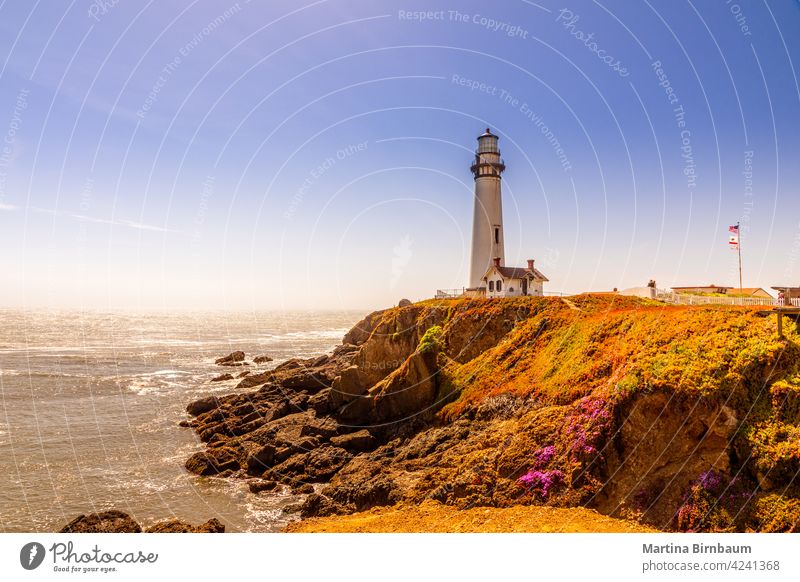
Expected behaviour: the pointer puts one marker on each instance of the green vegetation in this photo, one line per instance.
(432, 340)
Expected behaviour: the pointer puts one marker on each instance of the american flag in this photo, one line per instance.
(733, 239)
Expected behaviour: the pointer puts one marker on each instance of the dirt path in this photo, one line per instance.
(432, 517)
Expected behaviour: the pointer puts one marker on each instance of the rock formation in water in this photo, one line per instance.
(119, 522)
(685, 418)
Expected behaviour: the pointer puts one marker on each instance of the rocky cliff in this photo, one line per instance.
(684, 418)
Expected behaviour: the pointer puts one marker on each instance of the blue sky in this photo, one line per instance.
(268, 155)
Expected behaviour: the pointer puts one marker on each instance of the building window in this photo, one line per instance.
(496, 236)
(491, 285)
(499, 286)
(510, 289)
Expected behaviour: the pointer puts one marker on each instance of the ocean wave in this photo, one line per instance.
(321, 334)
(164, 373)
(306, 335)
(148, 387)
(66, 351)
(174, 342)
(41, 374)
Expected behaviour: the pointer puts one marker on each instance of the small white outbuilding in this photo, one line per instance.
(500, 281)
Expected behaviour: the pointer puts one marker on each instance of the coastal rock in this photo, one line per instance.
(256, 380)
(362, 331)
(213, 461)
(231, 358)
(685, 438)
(292, 508)
(213, 525)
(344, 351)
(347, 386)
(261, 359)
(393, 339)
(314, 466)
(303, 489)
(470, 335)
(291, 364)
(404, 303)
(261, 485)
(261, 460)
(362, 484)
(320, 402)
(311, 380)
(311, 375)
(106, 522)
(317, 505)
(355, 442)
(222, 378)
(409, 390)
(179, 526)
(203, 405)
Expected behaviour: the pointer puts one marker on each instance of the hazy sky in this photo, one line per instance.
(279, 154)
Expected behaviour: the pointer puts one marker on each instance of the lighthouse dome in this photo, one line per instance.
(487, 143)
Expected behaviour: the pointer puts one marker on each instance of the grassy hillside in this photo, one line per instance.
(597, 386)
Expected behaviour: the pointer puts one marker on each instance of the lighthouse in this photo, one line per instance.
(487, 221)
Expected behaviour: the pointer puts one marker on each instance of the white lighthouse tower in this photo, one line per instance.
(487, 221)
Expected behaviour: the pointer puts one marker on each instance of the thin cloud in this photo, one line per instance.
(125, 223)
(7, 206)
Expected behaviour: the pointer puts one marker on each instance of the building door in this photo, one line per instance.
(524, 286)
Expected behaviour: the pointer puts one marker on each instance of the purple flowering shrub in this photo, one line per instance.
(577, 447)
(541, 457)
(587, 428)
(542, 483)
(714, 502)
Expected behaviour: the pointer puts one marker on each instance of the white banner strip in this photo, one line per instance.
(380, 557)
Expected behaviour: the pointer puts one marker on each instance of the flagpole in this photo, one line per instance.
(739, 234)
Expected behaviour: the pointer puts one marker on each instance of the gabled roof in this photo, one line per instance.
(725, 289)
(748, 290)
(712, 286)
(517, 273)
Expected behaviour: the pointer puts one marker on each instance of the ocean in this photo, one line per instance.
(90, 404)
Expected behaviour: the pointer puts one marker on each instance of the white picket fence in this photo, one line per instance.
(449, 293)
(686, 299)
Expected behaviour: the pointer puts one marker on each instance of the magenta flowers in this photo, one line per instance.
(542, 482)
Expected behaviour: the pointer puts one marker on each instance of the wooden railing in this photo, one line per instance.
(688, 299)
(449, 293)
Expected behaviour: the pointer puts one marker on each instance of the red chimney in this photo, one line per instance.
(497, 261)
(530, 264)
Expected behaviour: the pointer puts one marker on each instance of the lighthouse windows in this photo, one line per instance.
(496, 235)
